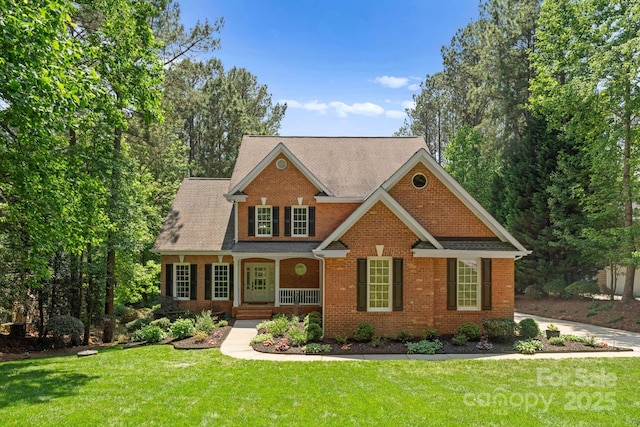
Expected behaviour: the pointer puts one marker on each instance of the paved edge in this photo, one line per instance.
(236, 345)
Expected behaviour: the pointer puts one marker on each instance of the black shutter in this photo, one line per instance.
(251, 227)
(486, 283)
(287, 220)
(208, 291)
(231, 281)
(169, 280)
(275, 221)
(397, 284)
(362, 284)
(312, 220)
(193, 294)
(452, 281)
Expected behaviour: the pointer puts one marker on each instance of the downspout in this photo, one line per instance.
(322, 287)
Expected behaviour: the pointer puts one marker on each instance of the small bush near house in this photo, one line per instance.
(222, 324)
(575, 338)
(528, 328)
(205, 322)
(556, 341)
(470, 330)
(529, 346)
(200, 336)
(59, 326)
(297, 336)
(149, 333)
(276, 327)
(557, 288)
(163, 323)
(404, 336)
(313, 332)
(459, 339)
(134, 325)
(313, 317)
(583, 287)
(499, 329)
(340, 338)
(377, 341)
(364, 332)
(430, 334)
(316, 348)
(182, 328)
(261, 338)
(423, 347)
(535, 292)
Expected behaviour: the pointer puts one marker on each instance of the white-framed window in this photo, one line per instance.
(300, 221)
(468, 292)
(220, 281)
(182, 281)
(379, 280)
(263, 221)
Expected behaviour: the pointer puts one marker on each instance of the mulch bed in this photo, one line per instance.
(214, 340)
(396, 347)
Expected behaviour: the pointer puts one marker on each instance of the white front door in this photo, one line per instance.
(259, 285)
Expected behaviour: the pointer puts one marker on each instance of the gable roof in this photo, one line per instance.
(200, 219)
(345, 166)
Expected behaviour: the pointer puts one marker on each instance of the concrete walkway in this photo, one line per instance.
(237, 345)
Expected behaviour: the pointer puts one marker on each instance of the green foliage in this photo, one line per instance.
(470, 330)
(552, 327)
(205, 322)
(364, 332)
(313, 317)
(528, 328)
(616, 319)
(149, 333)
(557, 341)
(260, 338)
(341, 338)
(182, 328)
(313, 332)
(583, 287)
(314, 348)
(423, 347)
(377, 341)
(556, 288)
(535, 291)
(575, 338)
(276, 327)
(529, 346)
(222, 323)
(430, 334)
(59, 326)
(163, 323)
(499, 329)
(297, 336)
(404, 336)
(134, 325)
(459, 339)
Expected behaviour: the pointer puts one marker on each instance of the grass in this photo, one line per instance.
(158, 385)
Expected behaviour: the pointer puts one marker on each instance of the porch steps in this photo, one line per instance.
(254, 313)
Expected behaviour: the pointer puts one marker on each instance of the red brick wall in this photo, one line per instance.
(439, 211)
(282, 188)
(289, 279)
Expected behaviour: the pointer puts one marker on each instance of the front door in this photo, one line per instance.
(259, 283)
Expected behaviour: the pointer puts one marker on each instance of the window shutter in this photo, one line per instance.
(208, 292)
(397, 284)
(251, 227)
(193, 294)
(486, 284)
(312, 220)
(452, 281)
(275, 221)
(169, 280)
(231, 282)
(362, 284)
(287, 220)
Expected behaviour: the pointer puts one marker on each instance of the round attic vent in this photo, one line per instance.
(281, 164)
(419, 180)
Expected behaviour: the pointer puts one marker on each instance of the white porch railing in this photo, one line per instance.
(304, 296)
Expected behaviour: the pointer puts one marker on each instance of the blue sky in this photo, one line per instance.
(345, 68)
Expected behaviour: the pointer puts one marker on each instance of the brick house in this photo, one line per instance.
(360, 229)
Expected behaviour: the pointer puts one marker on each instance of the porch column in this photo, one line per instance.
(237, 274)
(277, 302)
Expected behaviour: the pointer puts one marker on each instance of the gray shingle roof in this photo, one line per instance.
(470, 245)
(274, 247)
(347, 166)
(200, 219)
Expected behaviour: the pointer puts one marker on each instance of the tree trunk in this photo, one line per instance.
(627, 293)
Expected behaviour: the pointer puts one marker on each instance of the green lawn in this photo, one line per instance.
(161, 386)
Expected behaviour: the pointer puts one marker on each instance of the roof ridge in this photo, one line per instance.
(204, 178)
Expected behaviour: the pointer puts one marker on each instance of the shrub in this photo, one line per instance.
(313, 317)
(430, 334)
(583, 287)
(459, 339)
(276, 327)
(134, 325)
(423, 347)
(59, 326)
(404, 336)
(127, 314)
(261, 338)
(535, 292)
(499, 329)
(182, 328)
(377, 341)
(470, 330)
(200, 336)
(204, 322)
(316, 348)
(528, 328)
(222, 324)
(149, 333)
(340, 338)
(163, 323)
(297, 336)
(556, 288)
(556, 340)
(364, 332)
(313, 331)
(119, 309)
(529, 346)
(575, 338)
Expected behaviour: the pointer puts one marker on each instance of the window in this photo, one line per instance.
(182, 281)
(379, 284)
(263, 221)
(221, 281)
(299, 219)
(281, 164)
(419, 180)
(468, 285)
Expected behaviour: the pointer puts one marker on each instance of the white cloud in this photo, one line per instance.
(415, 86)
(409, 104)
(395, 114)
(362, 109)
(314, 105)
(392, 82)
